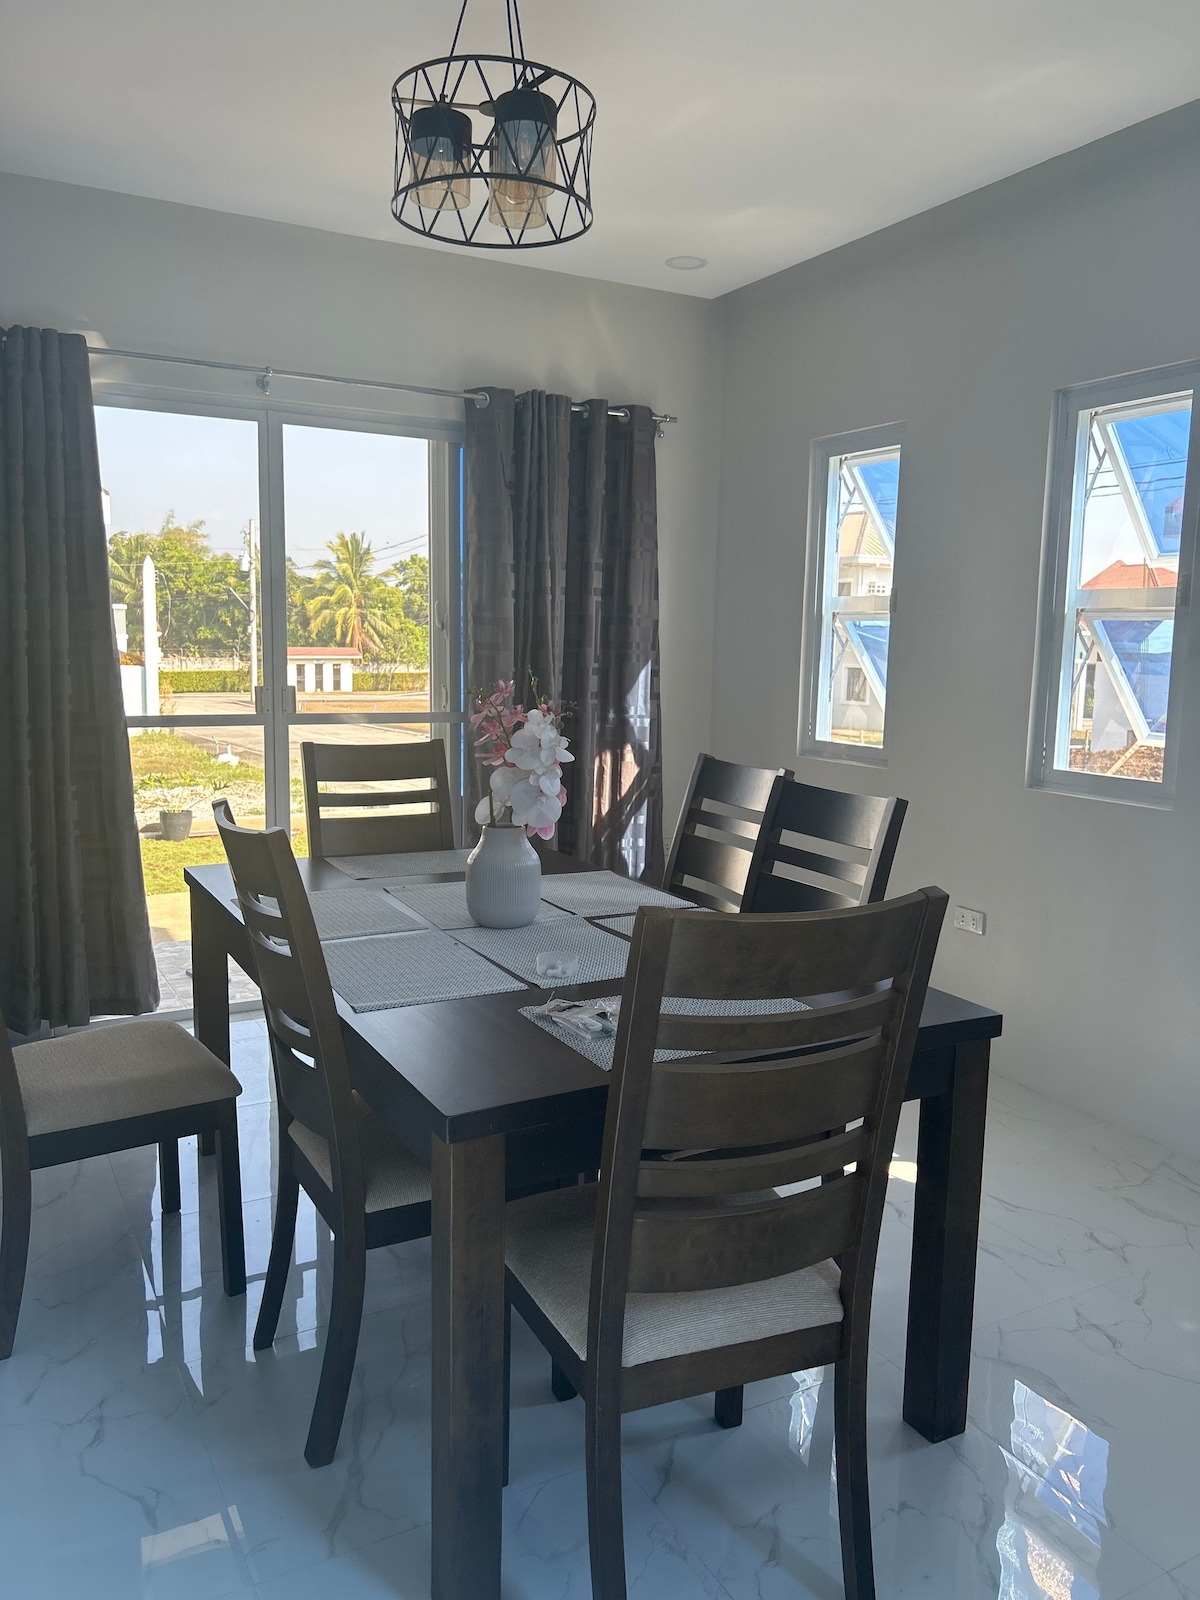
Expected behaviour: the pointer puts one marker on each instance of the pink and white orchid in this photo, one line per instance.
(527, 752)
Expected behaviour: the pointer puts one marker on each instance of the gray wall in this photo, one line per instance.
(148, 275)
(962, 323)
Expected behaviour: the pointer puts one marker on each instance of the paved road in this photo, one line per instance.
(248, 742)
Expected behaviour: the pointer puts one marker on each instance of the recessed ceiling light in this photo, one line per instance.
(686, 263)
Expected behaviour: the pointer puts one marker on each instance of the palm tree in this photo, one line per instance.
(345, 592)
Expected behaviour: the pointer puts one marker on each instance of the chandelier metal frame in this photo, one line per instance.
(554, 173)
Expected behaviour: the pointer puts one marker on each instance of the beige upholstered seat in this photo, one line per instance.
(132, 1069)
(393, 1175)
(548, 1248)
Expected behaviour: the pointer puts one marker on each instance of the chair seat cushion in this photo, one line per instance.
(548, 1249)
(106, 1074)
(394, 1177)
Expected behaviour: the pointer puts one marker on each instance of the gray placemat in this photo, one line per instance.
(410, 969)
(599, 1051)
(622, 924)
(601, 955)
(351, 913)
(409, 863)
(445, 904)
(595, 894)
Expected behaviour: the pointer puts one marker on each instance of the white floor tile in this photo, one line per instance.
(146, 1452)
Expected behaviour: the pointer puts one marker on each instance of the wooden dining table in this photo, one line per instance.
(495, 1105)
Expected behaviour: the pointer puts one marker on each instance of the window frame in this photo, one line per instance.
(445, 438)
(820, 585)
(1061, 550)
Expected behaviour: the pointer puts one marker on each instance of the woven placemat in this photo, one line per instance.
(352, 913)
(601, 956)
(622, 924)
(445, 904)
(409, 863)
(410, 969)
(599, 1051)
(596, 894)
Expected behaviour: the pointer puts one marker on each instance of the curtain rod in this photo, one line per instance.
(265, 374)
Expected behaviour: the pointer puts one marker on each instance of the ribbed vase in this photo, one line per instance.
(504, 878)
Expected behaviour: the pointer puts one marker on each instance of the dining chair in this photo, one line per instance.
(102, 1090)
(843, 852)
(426, 821)
(718, 829)
(695, 1264)
(366, 1184)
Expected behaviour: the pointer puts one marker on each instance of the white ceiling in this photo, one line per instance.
(755, 133)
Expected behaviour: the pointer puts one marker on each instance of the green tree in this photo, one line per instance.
(202, 593)
(411, 577)
(347, 594)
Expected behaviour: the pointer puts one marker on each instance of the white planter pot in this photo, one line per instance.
(504, 878)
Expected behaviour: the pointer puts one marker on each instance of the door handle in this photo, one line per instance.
(259, 700)
(289, 698)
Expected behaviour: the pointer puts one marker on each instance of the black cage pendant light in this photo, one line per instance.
(493, 151)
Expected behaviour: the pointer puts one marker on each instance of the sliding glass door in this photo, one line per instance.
(277, 575)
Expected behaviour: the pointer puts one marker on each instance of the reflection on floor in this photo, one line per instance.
(147, 1454)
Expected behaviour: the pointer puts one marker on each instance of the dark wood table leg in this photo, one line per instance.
(468, 1367)
(210, 988)
(941, 1298)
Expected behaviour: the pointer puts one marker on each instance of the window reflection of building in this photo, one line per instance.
(1050, 1541)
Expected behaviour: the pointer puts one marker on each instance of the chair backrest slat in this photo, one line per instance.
(797, 1097)
(718, 832)
(701, 1173)
(821, 848)
(426, 821)
(680, 1247)
(696, 1147)
(312, 1078)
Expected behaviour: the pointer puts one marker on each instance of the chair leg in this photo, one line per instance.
(17, 1202)
(229, 1197)
(168, 1176)
(854, 1500)
(727, 1407)
(507, 1394)
(341, 1344)
(560, 1385)
(606, 1528)
(283, 1239)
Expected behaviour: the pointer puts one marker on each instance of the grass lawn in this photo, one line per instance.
(163, 861)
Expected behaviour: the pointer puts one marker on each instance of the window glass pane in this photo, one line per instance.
(182, 506)
(856, 603)
(1127, 515)
(177, 774)
(357, 535)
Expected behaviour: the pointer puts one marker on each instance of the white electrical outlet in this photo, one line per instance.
(969, 921)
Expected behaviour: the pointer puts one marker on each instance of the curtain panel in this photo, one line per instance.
(74, 931)
(561, 580)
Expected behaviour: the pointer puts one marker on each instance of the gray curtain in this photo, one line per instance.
(561, 576)
(74, 932)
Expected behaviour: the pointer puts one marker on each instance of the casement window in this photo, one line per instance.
(1117, 566)
(855, 489)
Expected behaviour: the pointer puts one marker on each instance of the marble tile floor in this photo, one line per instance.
(147, 1454)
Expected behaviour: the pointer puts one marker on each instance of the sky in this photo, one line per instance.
(335, 481)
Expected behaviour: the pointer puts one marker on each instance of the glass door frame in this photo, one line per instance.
(445, 595)
(275, 711)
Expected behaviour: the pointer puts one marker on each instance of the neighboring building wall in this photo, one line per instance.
(962, 323)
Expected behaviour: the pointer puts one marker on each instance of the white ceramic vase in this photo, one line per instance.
(504, 878)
